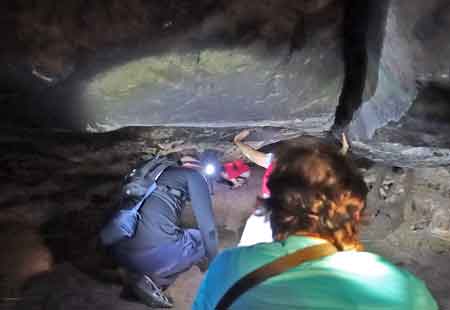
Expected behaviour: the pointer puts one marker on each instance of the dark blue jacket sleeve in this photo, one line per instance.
(202, 207)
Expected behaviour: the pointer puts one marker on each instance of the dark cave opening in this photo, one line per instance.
(354, 31)
(426, 122)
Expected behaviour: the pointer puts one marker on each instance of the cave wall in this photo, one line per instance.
(310, 66)
(107, 65)
(404, 120)
(390, 81)
(414, 50)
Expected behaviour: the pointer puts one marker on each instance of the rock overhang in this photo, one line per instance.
(235, 64)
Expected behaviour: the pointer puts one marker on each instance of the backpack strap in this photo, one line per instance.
(274, 268)
(154, 175)
(157, 171)
(149, 164)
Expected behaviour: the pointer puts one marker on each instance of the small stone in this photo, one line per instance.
(383, 192)
(440, 224)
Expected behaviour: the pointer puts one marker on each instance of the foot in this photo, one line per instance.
(150, 294)
(128, 294)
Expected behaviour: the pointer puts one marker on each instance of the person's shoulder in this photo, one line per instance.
(379, 275)
(247, 257)
(367, 264)
(355, 258)
(232, 263)
(229, 253)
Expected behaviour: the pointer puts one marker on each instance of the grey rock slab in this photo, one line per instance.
(239, 86)
(414, 49)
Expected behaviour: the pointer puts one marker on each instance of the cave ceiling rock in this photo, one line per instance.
(166, 140)
(243, 63)
(196, 83)
(201, 81)
(400, 121)
(390, 79)
(221, 87)
(233, 65)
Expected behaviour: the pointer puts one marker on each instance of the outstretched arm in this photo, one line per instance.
(202, 207)
(255, 156)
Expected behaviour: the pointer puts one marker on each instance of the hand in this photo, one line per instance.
(241, 136)
(345, 146)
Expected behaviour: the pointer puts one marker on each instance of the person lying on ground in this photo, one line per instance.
(235, 173)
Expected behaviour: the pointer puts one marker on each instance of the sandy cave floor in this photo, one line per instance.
(57, 189)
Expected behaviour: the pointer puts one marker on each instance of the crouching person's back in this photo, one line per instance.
(317, 197)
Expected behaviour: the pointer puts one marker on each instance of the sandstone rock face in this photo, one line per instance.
(390, 84)
(406, 117)
(242, 86)
(207, 64)
(310, 66)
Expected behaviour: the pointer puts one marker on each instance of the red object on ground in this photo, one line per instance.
(235, 168)
(264, 189)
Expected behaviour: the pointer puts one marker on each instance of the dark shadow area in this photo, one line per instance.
(73, 238)
(432, 103)
(363, 38)
(437, 21)
(66, 288)
(56, 49)
(354, 29)
(375, 38)
(427, 121)
(57, 191)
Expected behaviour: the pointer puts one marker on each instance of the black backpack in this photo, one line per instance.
(137, 186)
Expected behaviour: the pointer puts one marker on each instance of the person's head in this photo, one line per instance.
(205, 162)
(316, 190)
(188, 161)
(189, 158)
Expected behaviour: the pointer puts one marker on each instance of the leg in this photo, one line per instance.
(155, 269)
(179, 257)
(164, 263)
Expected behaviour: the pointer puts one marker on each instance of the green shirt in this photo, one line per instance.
(346, 280)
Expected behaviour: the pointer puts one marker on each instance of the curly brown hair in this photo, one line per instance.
(315, 190)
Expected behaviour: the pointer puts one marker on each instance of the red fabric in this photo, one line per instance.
(235, 168)
(264, 189)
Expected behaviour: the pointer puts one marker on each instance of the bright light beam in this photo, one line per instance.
(210, 169)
